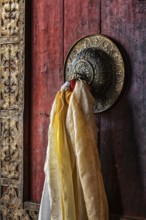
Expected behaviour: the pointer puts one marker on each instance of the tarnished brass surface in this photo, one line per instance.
(97, 60)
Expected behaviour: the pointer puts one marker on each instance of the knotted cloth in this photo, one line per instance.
(72, 168)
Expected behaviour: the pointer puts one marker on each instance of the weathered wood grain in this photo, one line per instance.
(81, 18)
(47, 64)
(122, 132)
(56, 25)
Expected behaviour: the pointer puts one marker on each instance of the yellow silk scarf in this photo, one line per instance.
(82, 130)
(72, 164)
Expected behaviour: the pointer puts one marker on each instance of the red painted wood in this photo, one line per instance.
(56, 25)
(47, 64)
(81, 18)
(50, 40)
(122, 131)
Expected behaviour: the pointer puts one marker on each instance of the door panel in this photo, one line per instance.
(47, 68)
(56, 26)
(122, 131)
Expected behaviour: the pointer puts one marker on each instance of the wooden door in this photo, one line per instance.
(56, 25)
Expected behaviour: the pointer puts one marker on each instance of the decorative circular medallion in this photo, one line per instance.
(98, 61)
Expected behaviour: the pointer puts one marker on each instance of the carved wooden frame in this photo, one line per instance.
(12, 19)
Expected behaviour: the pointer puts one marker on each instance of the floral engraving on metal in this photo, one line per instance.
(12, 206)
(11, 108)
(98, 61)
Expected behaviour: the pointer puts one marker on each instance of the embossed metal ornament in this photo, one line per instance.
(98, 61)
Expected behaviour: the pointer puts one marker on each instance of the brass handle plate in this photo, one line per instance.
(98, 61)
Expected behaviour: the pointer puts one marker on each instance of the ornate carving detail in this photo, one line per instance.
(97, 60)
(32, 210)
(11, 154)
(11, 112)
(10, 77)
(12, 206)
(11, 107)
(95, 67)
(10, 17)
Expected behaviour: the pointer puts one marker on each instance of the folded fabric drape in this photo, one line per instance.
(72, 168)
